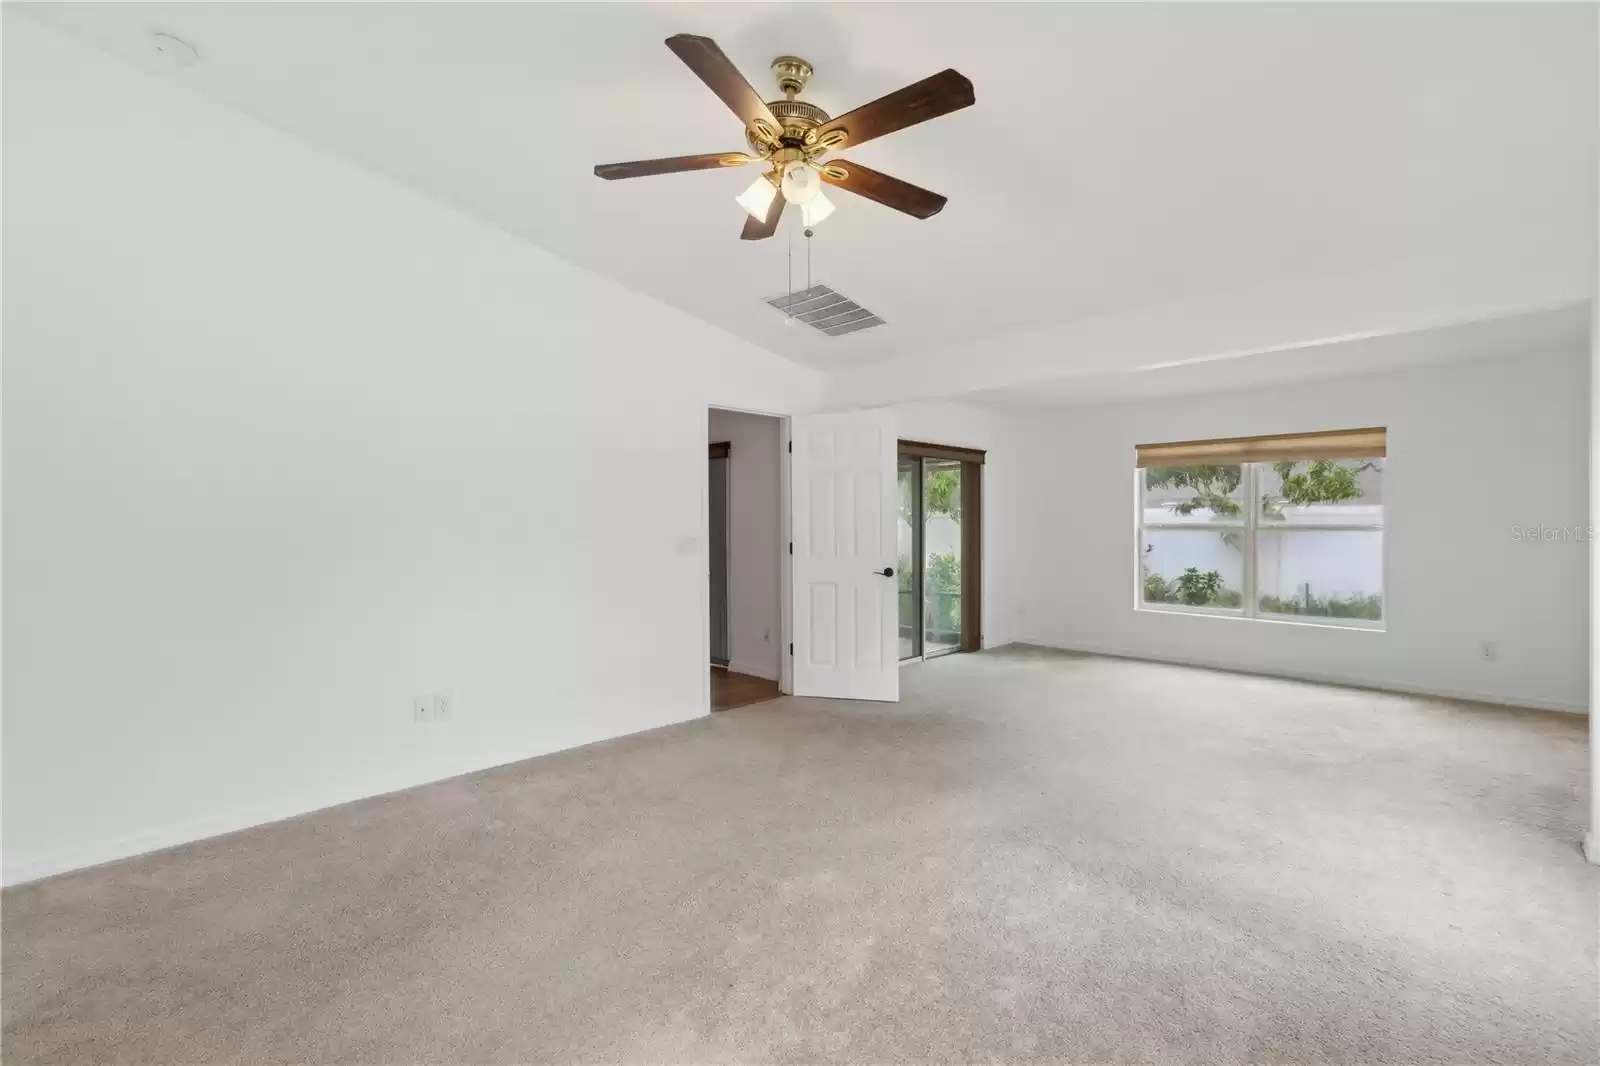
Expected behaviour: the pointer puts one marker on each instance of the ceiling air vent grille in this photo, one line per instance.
(826, 311)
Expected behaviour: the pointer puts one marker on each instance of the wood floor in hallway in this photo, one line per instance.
(730, 689)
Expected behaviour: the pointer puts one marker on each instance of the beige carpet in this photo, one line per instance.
(1034, 856)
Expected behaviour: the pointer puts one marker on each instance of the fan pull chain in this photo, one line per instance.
(808, 260)
(788, 305)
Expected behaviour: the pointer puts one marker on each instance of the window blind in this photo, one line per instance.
(1335, 444)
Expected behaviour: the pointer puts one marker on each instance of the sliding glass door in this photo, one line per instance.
(934, 614)
(909, 535)
(941, 556)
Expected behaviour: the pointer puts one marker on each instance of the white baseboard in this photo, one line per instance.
(20, 870)
(1500, 699)
(768, 672)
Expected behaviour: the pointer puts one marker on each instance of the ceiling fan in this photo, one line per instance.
(789, 137)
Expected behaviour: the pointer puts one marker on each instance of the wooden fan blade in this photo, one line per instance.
(759, 231)
(643, 168)
(711, 66)
(941, 94)
(890, 192)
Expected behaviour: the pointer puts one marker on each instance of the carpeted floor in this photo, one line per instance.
(1033, 856)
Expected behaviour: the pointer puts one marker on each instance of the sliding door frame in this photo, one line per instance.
(918, 642)
(972, 462)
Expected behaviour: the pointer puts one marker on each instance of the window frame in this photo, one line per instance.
(1249, 608)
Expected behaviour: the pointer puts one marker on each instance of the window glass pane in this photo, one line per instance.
(1193, 493)
(941, 540)
(1327, 573)
(905, 561)
(1313, 491)
(1197, 567)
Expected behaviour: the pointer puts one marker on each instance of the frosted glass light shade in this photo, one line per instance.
(758, 198)
(815, 209)
(800, 183)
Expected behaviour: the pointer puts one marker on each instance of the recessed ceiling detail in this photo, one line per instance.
(826, 311)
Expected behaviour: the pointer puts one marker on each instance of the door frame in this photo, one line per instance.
(785, 636)
(972, 463)
(722, 450)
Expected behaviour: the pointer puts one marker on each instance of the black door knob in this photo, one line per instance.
(887, 571)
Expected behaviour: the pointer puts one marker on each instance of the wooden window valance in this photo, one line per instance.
(1335, 444)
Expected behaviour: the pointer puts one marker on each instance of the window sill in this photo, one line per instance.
(1358, 625)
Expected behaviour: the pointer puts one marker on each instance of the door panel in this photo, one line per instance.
(845, 628)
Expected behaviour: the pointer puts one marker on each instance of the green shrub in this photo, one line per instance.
(1157, 589)
(1368, 607)
(1226, 597)
(943, 573)
(1194, 588)
(1197, 589)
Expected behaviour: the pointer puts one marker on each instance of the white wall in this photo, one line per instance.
(1475, 448)
(755, 622)
(285, 445)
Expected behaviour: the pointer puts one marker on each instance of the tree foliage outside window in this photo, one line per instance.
(943, 493)
(941, 497)
(1304, 482)
(1213, 487)
(1322, 481)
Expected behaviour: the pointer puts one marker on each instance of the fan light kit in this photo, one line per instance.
(789, 138)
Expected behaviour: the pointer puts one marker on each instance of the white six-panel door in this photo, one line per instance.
(842, 511)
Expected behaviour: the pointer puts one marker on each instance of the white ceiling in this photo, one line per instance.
(1118, 155)
(1564, 329)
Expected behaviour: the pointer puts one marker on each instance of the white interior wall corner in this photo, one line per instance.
(270, 473)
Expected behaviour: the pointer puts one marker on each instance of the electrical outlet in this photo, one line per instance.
(1490, 650)
(441, 708)
(421, 709)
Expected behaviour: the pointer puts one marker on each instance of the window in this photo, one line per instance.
(1287, 528)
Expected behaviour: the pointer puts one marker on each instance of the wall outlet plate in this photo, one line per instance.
(421, 709)
(441, 708)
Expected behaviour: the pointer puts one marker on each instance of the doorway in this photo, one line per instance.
(939, 542)
(744, 549)
(717, 542)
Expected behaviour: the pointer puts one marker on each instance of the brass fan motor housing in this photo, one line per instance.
(796, 118)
